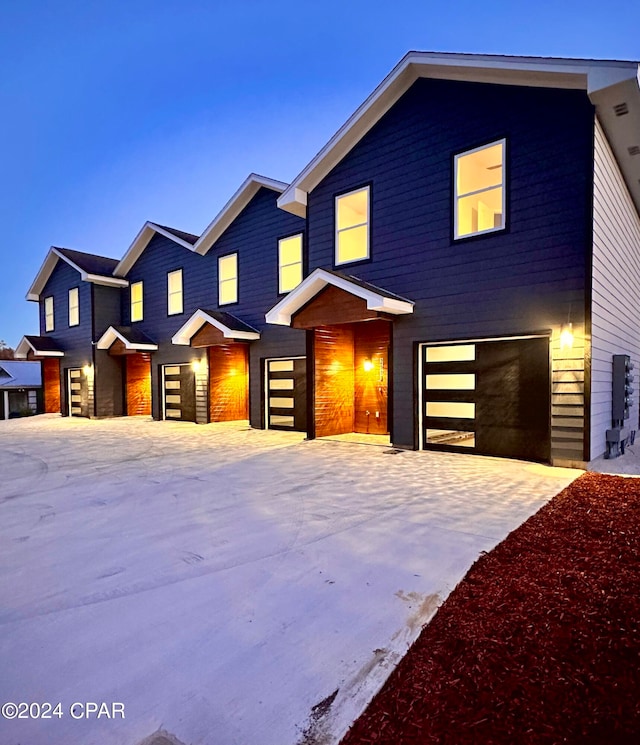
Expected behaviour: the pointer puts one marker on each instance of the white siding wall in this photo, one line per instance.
(616, 288)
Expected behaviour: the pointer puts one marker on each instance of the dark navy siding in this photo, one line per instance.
(160, 257)
(70, 338)
(524, 279)
(109, 380)
(254, 236)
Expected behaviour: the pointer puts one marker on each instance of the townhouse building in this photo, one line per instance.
(454, 270)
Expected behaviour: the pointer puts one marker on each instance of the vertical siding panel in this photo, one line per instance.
(567, 399)
(615, 287)
(202, 391)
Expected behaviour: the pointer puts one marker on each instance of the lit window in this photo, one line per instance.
(174, 292)
(228, 279)
(289, 263)
(136, 301)
(479, 190)
(48, 314)
(74, 307)
(352, 226)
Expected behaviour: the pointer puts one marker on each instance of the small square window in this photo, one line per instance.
(137, 310)
(174, 292)
(289, 263)
(480, 190)
(228, 279)
(352, 226)
(48, 314)
(74, 307)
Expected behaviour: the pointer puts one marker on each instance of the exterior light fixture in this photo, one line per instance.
(368, 365)
(566, 336)
(195, 365)
(87, 370)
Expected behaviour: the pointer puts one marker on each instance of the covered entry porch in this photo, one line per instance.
(349, 325)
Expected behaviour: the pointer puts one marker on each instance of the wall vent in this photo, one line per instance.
(621, 109)
(634, 150)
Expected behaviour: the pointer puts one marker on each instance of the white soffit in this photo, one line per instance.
(593, 76)
(234, 207)
(186, 332)
(281, 313)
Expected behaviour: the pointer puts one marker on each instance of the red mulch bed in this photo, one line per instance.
(539, 643)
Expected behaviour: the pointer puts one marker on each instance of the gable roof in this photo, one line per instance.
(230, 326)
(248, 189)
(608, 83)
(377, 298)
(92, 268)
(131, 338)
(20, 374)
(141, 241)
(41, 346)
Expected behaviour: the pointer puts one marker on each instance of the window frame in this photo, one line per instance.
(364, 187)
(505, 202)
(140, 302)
(170, 294)
(76, 307)
(48, 315)
(235, 279)
(302, 260)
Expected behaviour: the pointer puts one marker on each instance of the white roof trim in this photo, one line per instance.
(186, 332)
(234, 207)
(24, 346)
(592, 76)
(141, 241)
(49, 265)
(111, 335)
(281, 313)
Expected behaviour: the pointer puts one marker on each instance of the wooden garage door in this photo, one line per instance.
(490, 397)
(286, 394)
(179, 393)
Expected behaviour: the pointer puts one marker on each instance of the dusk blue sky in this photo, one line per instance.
(114, 113)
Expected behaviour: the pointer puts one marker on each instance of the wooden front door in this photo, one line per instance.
(138, 384)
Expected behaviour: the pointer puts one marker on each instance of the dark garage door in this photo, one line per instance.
(490, 397)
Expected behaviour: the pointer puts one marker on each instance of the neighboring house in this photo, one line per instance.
(20, 388)
(78, 298)
(454, 270)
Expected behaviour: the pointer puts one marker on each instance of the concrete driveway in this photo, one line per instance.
(222, 584)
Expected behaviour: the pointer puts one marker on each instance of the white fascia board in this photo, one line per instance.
(48, 265)
(281, 313)
(186, 332)
(99, 279)
(140, 242)
(111, 335)
(524, 71)
(233, 208)
(25, 346)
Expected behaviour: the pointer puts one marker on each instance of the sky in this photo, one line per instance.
(114, 113)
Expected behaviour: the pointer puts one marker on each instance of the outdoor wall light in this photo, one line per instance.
(368, 365)
(195, 365)
(566, 336)
(87, 370)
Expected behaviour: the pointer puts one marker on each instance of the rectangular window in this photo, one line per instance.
(480, 190)
(289, 263)
(352, 226)
(48, 314)
(174, 292)
(136, 302)
(228, 279)
(74, 307)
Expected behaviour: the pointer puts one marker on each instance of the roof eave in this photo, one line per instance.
(187, 331)
(240, 199)
(140, 242)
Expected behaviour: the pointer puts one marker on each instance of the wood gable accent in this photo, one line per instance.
(332, 306)
(208, 336)
(118, 349)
